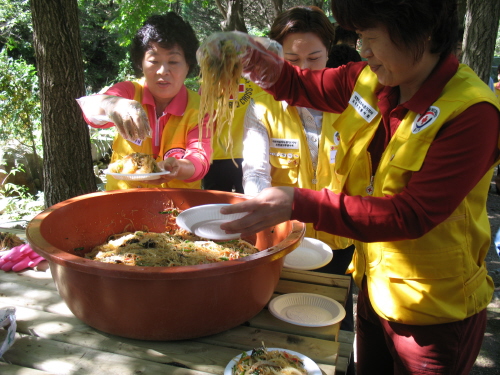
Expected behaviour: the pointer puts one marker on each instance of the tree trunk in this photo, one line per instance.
(233, 16)
(66, 142)
(278, 7)
(481, 27)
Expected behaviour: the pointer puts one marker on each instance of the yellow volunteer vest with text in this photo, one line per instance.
(174, 136)
(289, 155)
(440, 277)
(247, 90)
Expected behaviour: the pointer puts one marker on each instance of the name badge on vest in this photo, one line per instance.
(138, 142)
(290, 144)
(361, 106)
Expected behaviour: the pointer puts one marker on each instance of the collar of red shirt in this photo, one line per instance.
(432, 87)
(176, 107)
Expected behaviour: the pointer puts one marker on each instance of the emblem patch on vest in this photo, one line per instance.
(423, 121)
(291, 144)
(174, 151)
(361, 106)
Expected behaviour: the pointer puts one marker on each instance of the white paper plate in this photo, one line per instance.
(311, 254)
(310, 366)
(136, 176)
(205, 221)
(307, 309)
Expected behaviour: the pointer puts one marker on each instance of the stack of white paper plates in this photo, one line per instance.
(307, 309)
(311, 254)
(205, 221)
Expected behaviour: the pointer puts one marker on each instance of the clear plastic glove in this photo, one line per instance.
(262, 58)
(128, 115)
(18, 258)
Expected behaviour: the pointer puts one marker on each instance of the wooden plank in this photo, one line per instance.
(70, 330)
(328, 369)
(346, 337)
(340, 281)
(246, 338)
(6, 369)
(30, 278)
(36, 298)
(265, 320)
(341, 367)
(67, 359)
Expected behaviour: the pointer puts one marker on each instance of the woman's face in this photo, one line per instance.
(165, 71)
(393, 65)
(305, 50)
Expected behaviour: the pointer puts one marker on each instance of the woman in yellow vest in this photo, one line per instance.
(419, 137)
(225, 173)
(157, 114)
(295, 146)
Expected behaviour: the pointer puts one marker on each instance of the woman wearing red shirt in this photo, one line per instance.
(419, 138)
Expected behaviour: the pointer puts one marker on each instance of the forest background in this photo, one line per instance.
(53, 51)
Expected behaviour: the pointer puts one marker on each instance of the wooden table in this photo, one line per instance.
(51, 340)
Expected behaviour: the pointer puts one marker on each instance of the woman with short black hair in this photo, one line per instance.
(419, 136)
(157, 114)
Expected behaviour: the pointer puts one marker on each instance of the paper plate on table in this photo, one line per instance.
(205, 221)
(136, 176)
(309, 365)
(310, 255)
(307, 309)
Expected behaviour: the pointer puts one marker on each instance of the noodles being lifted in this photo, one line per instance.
(264, 362)
(220, 73)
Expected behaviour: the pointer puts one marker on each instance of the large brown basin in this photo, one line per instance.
(154, 303)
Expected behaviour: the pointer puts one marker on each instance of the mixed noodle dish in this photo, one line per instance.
(174, 247)
(136, 163)
(269, 362)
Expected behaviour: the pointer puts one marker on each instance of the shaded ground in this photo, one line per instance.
(488, 362)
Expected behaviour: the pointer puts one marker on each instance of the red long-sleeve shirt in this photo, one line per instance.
(461, 154)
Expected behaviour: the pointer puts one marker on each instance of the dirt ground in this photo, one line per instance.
(488, 362)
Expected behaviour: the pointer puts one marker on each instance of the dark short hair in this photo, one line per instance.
(303, 19)
(168, 30)
(410, 23)
(345, 36)
(341, 54)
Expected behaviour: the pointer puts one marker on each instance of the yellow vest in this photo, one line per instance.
(289, 155)
(247, 90)
(440, 277)
(174, 136)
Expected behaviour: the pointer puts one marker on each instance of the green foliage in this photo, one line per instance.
(132, 14)
(16, 31)
(20, 114)
(17, 202)
(101, 52)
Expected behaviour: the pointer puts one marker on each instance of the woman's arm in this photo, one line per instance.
(462, 153)
(116, 107)
(256, 166)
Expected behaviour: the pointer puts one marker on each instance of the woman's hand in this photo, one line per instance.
(271, 207)
(129, 117)
(180, 169)
(261, 58)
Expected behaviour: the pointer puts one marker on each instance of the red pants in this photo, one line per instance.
(388, 348)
